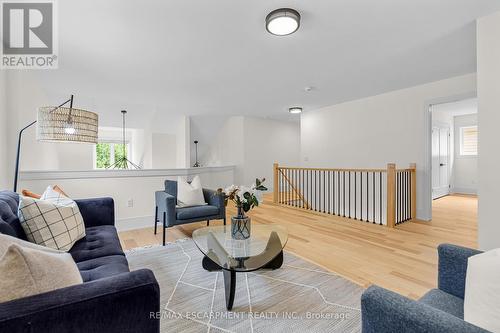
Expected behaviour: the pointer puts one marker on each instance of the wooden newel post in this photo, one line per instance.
(413, 188)
(275, 183)
(391, 195)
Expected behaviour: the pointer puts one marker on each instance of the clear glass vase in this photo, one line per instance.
(240, 225)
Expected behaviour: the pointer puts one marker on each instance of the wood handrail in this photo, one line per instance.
(332, 169)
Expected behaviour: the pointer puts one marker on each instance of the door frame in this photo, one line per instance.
(448, 161)
(426, 213)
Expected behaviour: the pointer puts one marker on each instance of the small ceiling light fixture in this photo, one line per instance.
(295, 110)
(283, 21)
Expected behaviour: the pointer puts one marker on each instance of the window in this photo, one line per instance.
(468, 140)
(107, 153)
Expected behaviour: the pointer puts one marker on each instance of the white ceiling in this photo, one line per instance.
(215, 57)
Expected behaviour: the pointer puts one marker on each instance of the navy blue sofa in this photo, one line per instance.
(439, 311)
(111, 299)
(170, 215)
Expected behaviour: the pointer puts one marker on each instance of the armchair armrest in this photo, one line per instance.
(453, 268)
(127, 302)
(166, 204)
(98, 211)
(385, 311)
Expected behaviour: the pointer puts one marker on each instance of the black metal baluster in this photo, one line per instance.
(350, 194)
(324, 191)
(411, 175)
(398, 195)
(406, 196)
(373, 194)
(367, 198)
(399, 191)
(361, 196)
(310, 190)
(333, 192)
(343, 195)
(295, 187)
(287, 186)
(329, 188)
(380, 199)
(301, 180)
(338, 196)
(355, 195)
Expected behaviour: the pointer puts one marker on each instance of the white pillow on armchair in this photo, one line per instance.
(190, 194)
(482, 291)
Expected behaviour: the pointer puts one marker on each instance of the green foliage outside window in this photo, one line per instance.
(103, 156)
(107, 153)
(120, 152)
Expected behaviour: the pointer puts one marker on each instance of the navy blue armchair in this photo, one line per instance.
(110, 299)
(439, 311)
(166, 202)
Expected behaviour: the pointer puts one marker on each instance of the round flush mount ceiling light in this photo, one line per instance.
(295, 110)
(283, 21)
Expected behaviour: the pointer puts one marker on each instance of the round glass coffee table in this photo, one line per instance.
(263, 250)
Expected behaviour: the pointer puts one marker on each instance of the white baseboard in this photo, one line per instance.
(422, 215)
(464, 190)
(133, 223)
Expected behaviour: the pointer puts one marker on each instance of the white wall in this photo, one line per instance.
(371, 132)
(488, 83)
(465, 174)
(164, 147)
(182, 143)
(252, 144)
(266, 142)
(3, 134)
(124, 186)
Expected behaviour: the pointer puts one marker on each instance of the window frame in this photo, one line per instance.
(461, 142)
(111, 151)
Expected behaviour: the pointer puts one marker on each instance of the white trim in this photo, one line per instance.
(54, 174)
(425, 213)
(463, 190)
(132, 223)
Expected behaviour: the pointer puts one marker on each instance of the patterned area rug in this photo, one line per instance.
(299, 297)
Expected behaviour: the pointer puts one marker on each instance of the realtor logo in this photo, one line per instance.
(28, 35)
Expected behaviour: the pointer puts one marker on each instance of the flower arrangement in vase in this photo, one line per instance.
(245, 198)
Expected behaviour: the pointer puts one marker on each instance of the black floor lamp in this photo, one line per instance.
(61, 124)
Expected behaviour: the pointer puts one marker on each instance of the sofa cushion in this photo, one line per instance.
(100, 241)
(443, 301)
(103, 267)
(196, 212)
(9, 201)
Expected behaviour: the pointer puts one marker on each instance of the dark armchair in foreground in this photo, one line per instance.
(110, 299)
(169, 215)
(440, 310)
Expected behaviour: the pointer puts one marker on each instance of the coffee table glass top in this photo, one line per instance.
(265, 243)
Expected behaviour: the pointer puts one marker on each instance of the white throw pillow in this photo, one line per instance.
(482, 291)
(28, 269)
(190, 194)
(53, 220)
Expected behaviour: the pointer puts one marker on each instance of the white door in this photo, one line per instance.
(440, 161)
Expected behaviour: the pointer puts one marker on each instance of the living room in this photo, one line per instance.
(191, 166)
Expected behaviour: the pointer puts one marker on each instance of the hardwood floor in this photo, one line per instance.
(403, 259)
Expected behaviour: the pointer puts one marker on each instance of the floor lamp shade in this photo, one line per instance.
(62, 124)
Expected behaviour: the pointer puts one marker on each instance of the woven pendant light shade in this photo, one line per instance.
(66, 124)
